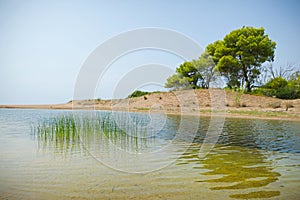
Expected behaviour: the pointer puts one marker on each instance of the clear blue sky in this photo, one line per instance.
(44, 43)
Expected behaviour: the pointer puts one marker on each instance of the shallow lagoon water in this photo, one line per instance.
(252, 159)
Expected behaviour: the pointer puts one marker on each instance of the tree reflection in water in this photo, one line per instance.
(235, 168)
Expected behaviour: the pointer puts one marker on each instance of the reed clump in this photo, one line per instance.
(67, 132)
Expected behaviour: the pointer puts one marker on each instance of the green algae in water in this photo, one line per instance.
(238, 165)
(240, 168)
(247, 184)
(259, 194)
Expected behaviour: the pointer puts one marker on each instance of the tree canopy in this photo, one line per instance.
(238, 57)
(240, 54)
(194, 74)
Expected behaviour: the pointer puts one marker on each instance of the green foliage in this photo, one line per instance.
(178, 81)
(258, 92)
(195, 74)
(295, 77)
(137, 93)
(281, 88)
(240, 54)
(288, 93)
(185, 77)
(276, 83)
(187, 74)
(237, 99)
(205, 69)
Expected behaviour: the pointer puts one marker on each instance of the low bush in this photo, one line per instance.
(137, 93)
(276, 83)
(280, 88)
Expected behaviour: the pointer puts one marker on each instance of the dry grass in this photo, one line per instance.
(275, 105)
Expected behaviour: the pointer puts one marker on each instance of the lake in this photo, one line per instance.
(57, 154)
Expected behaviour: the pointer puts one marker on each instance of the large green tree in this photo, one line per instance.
(240, 55)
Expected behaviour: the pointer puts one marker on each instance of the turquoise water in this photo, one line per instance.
(155, 157)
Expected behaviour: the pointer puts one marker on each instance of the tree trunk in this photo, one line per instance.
(248, 86)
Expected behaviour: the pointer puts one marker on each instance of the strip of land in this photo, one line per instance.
(201, 102)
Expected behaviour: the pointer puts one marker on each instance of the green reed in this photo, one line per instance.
(79, 131)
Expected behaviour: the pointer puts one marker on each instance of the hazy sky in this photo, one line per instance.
(43, 44)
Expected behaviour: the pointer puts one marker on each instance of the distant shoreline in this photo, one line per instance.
(225, 114)
(250, 106)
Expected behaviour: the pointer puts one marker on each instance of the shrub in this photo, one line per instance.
(280, 88)
(287, 93)
(137, 93)
(237, 99)
(257, 91)
(276, 83)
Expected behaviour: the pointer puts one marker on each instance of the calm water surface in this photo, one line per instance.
(252, 159)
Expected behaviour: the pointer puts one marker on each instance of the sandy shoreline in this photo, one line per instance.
(190, 102)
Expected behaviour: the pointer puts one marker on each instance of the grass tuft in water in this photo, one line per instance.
(67, 132)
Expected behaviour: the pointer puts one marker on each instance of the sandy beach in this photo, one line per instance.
(190, 102)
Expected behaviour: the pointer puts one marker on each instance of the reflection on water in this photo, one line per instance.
(239, 162)
(241, 168)
(234, 168)
(252, 159)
